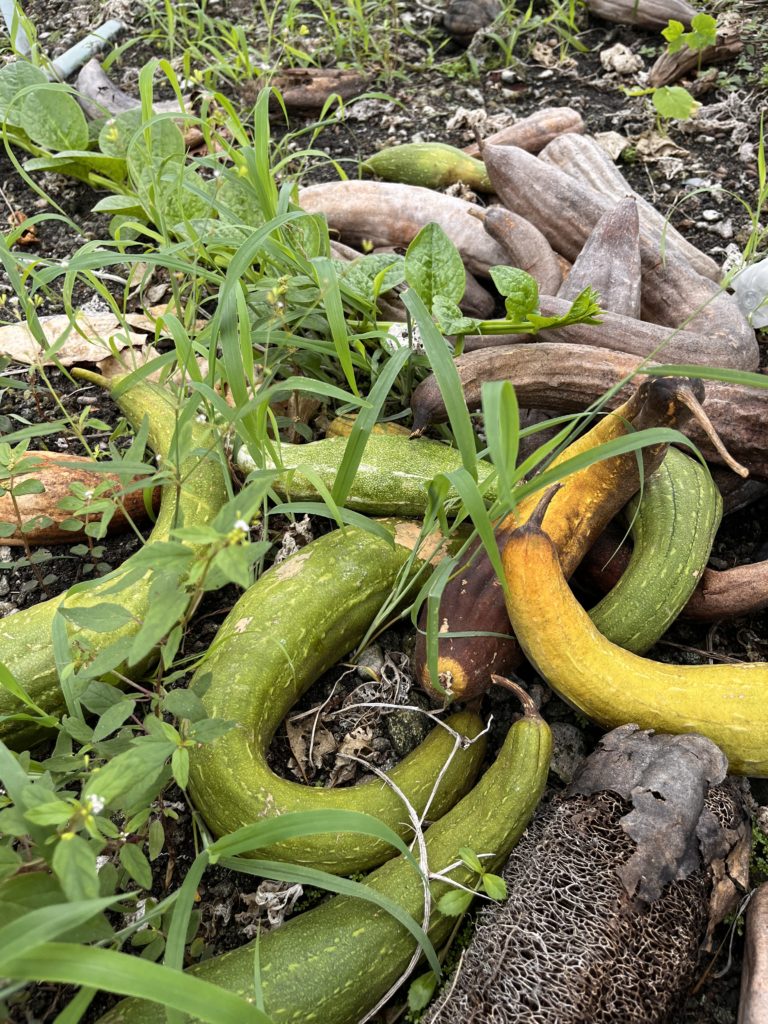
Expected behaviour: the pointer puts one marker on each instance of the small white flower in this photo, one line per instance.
(240, 524)
(95, 804)
(88, 495)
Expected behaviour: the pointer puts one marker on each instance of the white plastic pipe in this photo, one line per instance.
(74, 58)
(9, 12)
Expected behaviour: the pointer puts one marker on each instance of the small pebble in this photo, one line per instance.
(711, 215)
(7, 608)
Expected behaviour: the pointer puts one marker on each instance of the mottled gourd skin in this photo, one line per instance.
(392, 478)
(333, 964)
(292, 625)
(673, 529)
(26, 646)
(726, 703)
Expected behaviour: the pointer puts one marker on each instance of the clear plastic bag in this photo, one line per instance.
(750, 288)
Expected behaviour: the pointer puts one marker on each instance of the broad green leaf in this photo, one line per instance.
(112, 719)
(54, 119)
(54, 812)
(180, 767)
(673, 33)
(520, 291)
(28, 486)
(129, 770)
(14, 77)
(184, 703)
(167, 604)
(494, 886)
(433, 266)
(454, 902)
(136, 864)
(117, 132)
(470, 858)
(74, 863)
(421, 990)
(156, 838)
(675, 102)
(79, 164)
(703, 32)
(99, 618)
(374, 274)
(449, 318)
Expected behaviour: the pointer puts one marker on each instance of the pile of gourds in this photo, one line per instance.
(335, 962)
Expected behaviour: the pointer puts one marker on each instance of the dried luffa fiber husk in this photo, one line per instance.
(611, 892)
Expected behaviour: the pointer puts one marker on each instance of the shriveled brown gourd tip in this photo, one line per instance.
(566, 211)
(610, 262)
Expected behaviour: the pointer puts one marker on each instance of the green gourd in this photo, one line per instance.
(332, 964)
(26, 642)
(673, 528)
(430, 164)
(299, 619)
(391, 480)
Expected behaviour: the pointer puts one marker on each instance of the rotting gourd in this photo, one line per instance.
(333, 963)
(726, 703)
(473, 600)
(293, 624)
(26, 641)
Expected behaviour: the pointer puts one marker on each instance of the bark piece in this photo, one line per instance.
(310, 88)
(534, 132)
(387, 213)
(666, 779)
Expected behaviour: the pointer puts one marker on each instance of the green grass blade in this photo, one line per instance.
(46, 924)
(344, 886)
(342, 516)
(70, 964)
(358, 438)
(447, 376)
(328, 283)
(743, 377)
(618, 446)
(501, 416)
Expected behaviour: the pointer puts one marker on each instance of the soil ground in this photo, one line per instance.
(709, 162)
